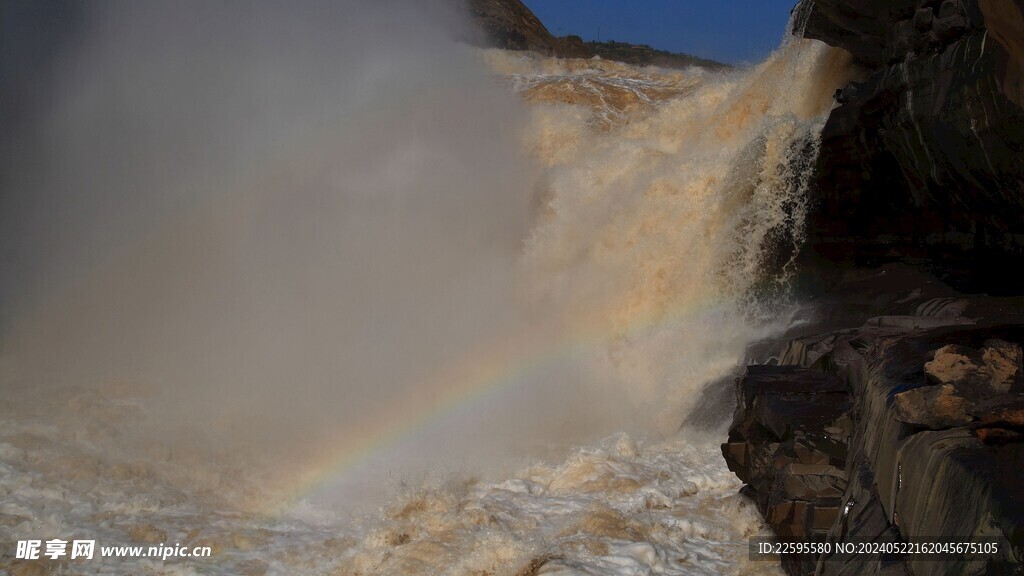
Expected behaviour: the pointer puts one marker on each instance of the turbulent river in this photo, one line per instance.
(391, 308)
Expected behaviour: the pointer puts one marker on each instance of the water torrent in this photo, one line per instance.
(327, 291)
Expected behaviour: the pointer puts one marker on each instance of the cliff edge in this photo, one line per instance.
(921, 162)
(896, 416)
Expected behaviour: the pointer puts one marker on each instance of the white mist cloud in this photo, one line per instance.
(274, 218)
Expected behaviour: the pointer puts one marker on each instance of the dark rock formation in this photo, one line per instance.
(922, 161)
(920, 164)
(788, 443)
(910, 425)
(1005, 22)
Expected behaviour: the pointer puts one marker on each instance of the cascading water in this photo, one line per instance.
(265, 278)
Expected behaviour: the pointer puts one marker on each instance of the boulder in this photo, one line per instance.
(994, 368)
(787, 442)
(935, 407)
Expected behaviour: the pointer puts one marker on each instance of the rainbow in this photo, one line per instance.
(480, 374)
(476, 377)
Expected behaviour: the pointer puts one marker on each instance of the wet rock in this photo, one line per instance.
(955, 486)
(810, 482)
(996, 367)
(1003, 364)
(950, 27)
(998, 436)
(942, 308)
(949, 8)
(953, 365)
(921, 164)
(1006, 410)
(786, 443)
(861, 519)
(859, 26)
(934, 407)
(923, 19)
(1005, 21)
(927, 444)
(914, 322)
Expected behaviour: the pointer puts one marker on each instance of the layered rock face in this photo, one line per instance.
(907, 427)
(788, 443)
(898, 415)
(922, 161)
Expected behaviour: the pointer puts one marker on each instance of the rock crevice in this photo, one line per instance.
(891, 432)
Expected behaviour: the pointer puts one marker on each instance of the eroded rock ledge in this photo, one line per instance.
(921, 161)
(903, 404)
(907, 426)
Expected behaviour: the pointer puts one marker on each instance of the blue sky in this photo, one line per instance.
(733, 31)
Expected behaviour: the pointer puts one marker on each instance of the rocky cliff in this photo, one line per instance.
(897, 416)
(907, 427)
(922, 161)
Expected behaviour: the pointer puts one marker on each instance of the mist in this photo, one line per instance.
(273, 221)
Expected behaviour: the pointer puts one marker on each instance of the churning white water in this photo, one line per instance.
(330, 293)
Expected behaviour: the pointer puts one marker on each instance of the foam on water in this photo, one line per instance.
(620, 507)
(664, 194)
